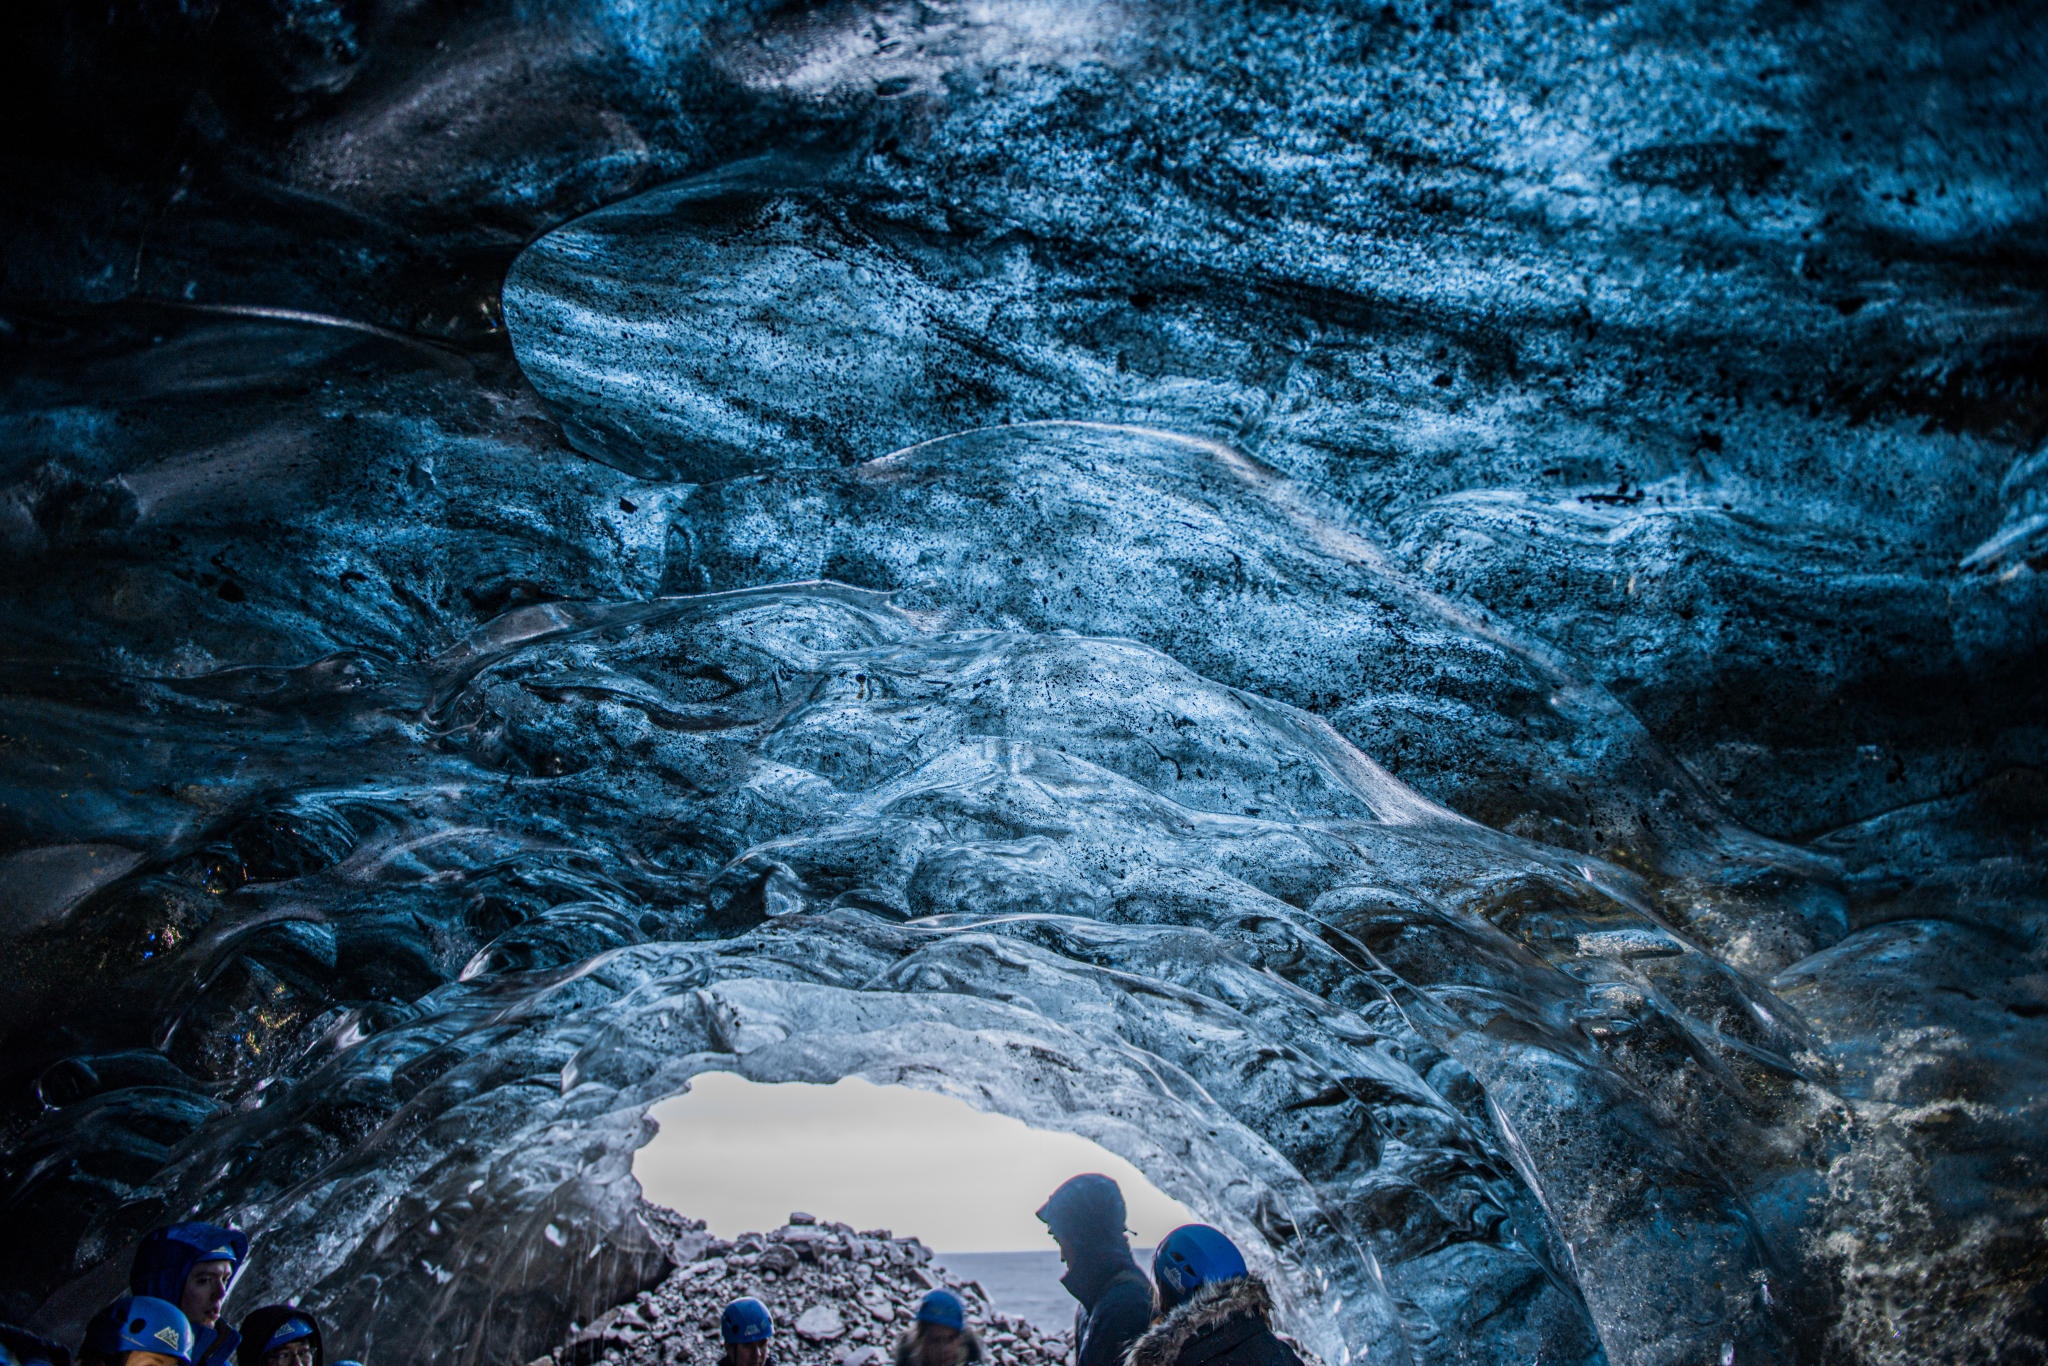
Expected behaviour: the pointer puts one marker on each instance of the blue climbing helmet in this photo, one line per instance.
(746, 1321)
(288, 1332)
(139, 1323)
(942, 1308)
(168, 1255)
(1194, 1255)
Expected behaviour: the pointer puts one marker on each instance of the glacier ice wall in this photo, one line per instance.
(1425, 618)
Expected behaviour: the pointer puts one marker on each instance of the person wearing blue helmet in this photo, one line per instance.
(1215, 1312)
(1086, 1218)
(19, 1347)
(939, 1336)
(137, 1330)
(280, 1335)
(192, 1266)
(747, 1329)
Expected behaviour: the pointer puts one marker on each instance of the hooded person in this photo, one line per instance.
(192, 1266)
(939, 1336)
(747, 1329)
(137, 1330)
(1215, 1312)
(280, 1335)
(1086, 1218)
(19, 1347)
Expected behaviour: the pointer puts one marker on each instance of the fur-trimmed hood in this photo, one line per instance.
(1210, 1309)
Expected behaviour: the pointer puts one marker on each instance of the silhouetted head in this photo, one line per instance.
(1085, 1211)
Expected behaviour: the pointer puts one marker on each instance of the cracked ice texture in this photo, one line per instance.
(1426, 621)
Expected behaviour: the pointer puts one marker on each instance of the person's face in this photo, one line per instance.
(206, 1290)
(148, 1359)
(749, 1353)
(938, 1342)
(298, 1353)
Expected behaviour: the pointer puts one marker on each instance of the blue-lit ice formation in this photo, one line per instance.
(1425, 619)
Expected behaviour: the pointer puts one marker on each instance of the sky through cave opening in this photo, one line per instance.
(742, 1155)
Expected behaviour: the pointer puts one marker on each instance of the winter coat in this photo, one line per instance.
(1229, 1323)
(262, 1323)
(215, 1346)
(1116, 1305)
(906, 1347)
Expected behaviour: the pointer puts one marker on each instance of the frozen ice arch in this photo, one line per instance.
(552, 1101)
(1065, 877)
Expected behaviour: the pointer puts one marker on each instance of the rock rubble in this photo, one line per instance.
(840, 1297)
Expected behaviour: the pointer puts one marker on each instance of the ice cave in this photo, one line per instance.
(1423, 617)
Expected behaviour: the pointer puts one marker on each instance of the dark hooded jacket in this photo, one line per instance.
(1229, 1323)
(167, 1256)
(1116, 1304)
(906, 1347)
(1086, 1215)
(261, 1323)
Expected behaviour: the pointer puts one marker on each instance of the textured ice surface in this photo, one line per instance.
(1426, 621)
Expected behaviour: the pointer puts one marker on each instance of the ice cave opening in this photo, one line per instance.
(749, 1160)
(741, 1155)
